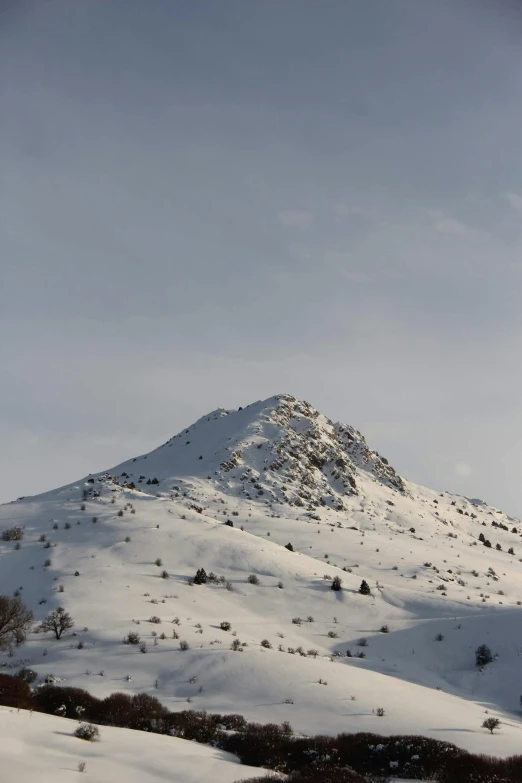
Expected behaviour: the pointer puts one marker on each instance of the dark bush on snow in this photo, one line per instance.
(75, 700)
(14, 692)
(27, 675)
(201, 577)
(13, 534)
(258, 743)
(483, 655)
(319, 759)
(232, 722)
(140, 711)
(87, 732)
(479, 769)
(194, 725)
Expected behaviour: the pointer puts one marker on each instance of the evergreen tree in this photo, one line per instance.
(483, 655)
(201, 577)
(336, 583)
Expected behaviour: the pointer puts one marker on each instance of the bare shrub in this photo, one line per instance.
(88, 732)
(13, 534)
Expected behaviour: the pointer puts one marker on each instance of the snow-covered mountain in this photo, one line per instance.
(280, 450)
(273, 501)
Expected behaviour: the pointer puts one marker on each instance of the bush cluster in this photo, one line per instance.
(347, 758)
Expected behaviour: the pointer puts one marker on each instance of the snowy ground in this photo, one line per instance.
(418, 550)
(40, 748)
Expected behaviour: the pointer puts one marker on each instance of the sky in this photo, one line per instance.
(204, 204)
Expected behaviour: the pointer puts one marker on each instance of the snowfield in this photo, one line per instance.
(38, 748)
(278, 473)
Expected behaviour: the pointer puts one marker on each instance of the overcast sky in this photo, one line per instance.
(206, 203)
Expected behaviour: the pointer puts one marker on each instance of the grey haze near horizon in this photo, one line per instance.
(203, 204)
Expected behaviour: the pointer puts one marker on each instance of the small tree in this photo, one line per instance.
(336, 583)
(491, 724)
(289, 547)
(58, 621)
(15, 622)
(201, 577)
(483, 655)
(253, 579)
(364, 589)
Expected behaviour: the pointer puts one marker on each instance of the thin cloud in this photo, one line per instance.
(293, 218)
(448, 225)
(462, 469)
(515, 201)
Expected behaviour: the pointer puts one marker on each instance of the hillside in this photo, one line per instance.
(41, 747)
(227, 495)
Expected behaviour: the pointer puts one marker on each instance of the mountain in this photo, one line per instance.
(281, 450)
(273, 501)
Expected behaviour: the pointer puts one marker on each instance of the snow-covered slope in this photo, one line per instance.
(278, 473)
(38, 748)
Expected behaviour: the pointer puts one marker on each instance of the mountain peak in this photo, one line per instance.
(277, 451)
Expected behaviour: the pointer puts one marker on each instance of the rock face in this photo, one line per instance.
(280, 450)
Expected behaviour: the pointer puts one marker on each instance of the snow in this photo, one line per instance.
(38, 748)
(284, 473)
